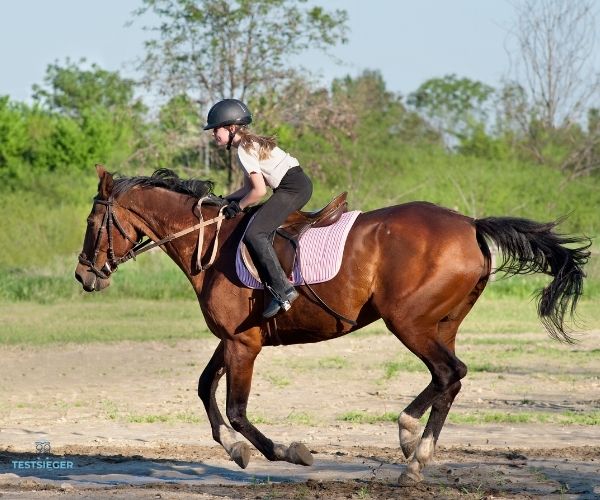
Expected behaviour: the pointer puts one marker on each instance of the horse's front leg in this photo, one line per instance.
(239, 361)
(237, 449)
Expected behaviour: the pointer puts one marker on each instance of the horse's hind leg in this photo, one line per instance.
(446, 370)
(239, 361)
(237, 449)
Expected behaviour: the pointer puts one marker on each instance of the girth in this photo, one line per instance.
(285, 241)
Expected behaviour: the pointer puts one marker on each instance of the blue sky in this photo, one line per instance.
(409, 41)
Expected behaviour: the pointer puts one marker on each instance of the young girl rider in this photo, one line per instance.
(264, 164)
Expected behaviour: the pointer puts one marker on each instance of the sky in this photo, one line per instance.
(408, 41)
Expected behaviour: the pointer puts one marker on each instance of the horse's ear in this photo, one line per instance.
(106, 181)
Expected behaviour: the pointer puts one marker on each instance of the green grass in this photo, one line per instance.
(564, 418)
(363, 417)
(301, 418)
(334, 362)
(277, 380)
(186, 418)
(101, 317)
(95, 319)
(486, 417)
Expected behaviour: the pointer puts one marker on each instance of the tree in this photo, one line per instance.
(71, 90)
(212, 49)
(456, 107)
(95, 114)
(557, 81)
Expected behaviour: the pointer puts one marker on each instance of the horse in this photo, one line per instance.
(418, 266)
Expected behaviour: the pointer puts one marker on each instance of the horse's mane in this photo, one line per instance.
(163, 178)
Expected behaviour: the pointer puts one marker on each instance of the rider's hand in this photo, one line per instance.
(232, 209)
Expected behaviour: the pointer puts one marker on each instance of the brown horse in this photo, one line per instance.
(417, 266)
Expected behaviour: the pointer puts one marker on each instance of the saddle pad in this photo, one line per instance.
(320, 252)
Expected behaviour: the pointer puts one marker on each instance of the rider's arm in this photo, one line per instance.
(257, 189)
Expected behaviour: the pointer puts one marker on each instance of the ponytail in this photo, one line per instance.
(266, 144)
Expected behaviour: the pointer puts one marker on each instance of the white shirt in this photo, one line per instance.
(273, 168)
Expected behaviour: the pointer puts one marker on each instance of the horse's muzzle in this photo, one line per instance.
(89, 280)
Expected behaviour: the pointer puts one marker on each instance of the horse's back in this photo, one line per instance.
(417, 224)
(414, 248)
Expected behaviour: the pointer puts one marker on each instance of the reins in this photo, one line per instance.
(144, 246)
(112, 263)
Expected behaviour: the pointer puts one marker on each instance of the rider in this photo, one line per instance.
(263, 163)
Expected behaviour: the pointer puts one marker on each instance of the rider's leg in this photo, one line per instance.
(293, 192)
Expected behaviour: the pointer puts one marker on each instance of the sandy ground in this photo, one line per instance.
(127, 418)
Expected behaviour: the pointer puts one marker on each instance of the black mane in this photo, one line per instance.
(164, 178)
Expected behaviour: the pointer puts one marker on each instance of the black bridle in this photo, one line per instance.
(110, 219)
(110, 266)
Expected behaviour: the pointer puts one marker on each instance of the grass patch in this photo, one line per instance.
(301, 418)
(107, 318)
(485, 417)
(362, 417)
(259, 419)
(94, 320)
(334, 362)
(405, 364)
(187, 418)
(278, 380)
(563, 418)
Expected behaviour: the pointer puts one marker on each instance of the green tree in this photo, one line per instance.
(214, 49)
(211, 49)
(97, 116)
(71, 90)
(13, 134)
(456, 107)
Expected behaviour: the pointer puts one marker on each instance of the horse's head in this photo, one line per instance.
(108, 239)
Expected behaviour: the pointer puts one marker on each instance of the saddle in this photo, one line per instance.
(285, 241)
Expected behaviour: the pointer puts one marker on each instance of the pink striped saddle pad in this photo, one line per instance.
(319, 254)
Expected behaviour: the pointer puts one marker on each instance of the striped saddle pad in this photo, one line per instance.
(319, 254)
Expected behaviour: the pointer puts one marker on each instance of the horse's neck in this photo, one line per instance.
(164, 213)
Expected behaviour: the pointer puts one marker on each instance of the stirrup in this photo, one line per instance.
(276, 305)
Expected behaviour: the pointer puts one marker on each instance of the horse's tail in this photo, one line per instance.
(531, 247)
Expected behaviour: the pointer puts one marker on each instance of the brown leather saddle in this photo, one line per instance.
(287, 235)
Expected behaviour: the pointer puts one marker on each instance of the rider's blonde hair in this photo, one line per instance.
(248, 140)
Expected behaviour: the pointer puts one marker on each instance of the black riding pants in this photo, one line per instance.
(293, 192)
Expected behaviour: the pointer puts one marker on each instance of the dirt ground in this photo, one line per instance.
(127, 418)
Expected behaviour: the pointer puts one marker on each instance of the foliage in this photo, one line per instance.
(218, 48)
(81, 117)
(456, 106)
(71, 90)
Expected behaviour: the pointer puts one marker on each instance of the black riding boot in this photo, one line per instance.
(277, 285)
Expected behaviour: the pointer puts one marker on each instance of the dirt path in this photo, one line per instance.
(127, 414)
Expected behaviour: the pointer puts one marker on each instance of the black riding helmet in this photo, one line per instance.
(228, 112)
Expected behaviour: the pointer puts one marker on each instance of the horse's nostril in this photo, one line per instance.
(78, 278)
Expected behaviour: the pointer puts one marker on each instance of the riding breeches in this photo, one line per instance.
(293, 192)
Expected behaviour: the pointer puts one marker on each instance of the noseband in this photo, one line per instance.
(110, 219)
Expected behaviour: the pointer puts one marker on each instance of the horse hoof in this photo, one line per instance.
(240, 454)
(299, 454)
(410, 478)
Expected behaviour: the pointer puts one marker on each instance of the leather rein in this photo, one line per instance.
(110, 219)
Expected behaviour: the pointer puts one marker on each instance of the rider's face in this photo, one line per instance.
(221, 135)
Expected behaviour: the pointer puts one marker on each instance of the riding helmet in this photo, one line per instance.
(228, 112)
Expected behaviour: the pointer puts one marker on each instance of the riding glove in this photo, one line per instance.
(232, 209)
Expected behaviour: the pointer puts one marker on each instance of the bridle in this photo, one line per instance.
(110, 219)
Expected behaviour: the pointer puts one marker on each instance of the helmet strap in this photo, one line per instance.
(231, 136)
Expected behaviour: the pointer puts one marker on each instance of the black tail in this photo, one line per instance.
(531, 247)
